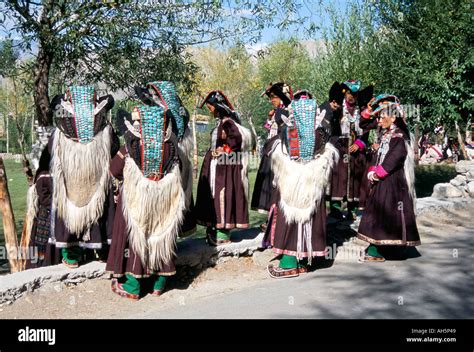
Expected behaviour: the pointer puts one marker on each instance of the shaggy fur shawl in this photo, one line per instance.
(301, 184)
(80, 179)
(153, 211)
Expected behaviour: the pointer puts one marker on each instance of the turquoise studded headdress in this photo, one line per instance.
(83, 99)
(301, 134)
(153, 131)
(169, 96)
(352, 85)
(382, 98)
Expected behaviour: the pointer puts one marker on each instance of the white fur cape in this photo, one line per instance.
(245, 149)
(301, 185)
(80, 179)
(153, 211)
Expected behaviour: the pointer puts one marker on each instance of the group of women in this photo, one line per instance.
(127, 204)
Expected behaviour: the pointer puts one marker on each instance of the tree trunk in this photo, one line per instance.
(461, 142)
(9, 228)
(469, 134)
(43, 64)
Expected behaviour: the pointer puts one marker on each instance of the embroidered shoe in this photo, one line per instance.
(279, 273)
(118, 289)
(221, 242)
(371, 254)
(211, 239)
(72, 265)
(157, 292)
(302, 270)
(369, 258)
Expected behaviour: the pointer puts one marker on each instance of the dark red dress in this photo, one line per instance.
(221, 200)
(389, 216)
(122, 258)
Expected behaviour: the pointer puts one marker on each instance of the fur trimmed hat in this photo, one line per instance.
(281, 90)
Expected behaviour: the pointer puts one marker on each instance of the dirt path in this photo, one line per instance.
(94, 299)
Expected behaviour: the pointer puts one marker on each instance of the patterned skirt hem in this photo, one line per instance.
(304, 254)
(113, 274)
(388, 242)
(224, 226)
(77, 244)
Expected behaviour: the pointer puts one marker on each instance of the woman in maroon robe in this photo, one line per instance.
(50, 235)
(347, 182)
(301, 163)
(143, 242)
(222, 194)
(123, 263)
(280, 95)
(389, 217)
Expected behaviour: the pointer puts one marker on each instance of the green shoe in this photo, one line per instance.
(372, 255)
(159, 285)
(223, 237)
(71, 256)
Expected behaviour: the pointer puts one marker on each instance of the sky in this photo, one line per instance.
(269, 35)
(318, 15)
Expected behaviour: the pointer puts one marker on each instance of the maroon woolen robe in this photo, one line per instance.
(227, 206)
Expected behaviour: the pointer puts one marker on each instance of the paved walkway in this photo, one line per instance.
(437, 284)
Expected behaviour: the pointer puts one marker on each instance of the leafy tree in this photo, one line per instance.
(282, 61)
(122, 43)
(16, 103)
(346, 50)
(426, 56)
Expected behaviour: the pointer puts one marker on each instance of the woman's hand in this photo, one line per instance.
(372, 176)
(353, 148)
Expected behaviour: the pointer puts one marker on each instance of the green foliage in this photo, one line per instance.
(8, 58)
(16, 103)
(346, 49)
(283, 61)
(286, 61)
(124, 43)
(426, 176)
(426, 56)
